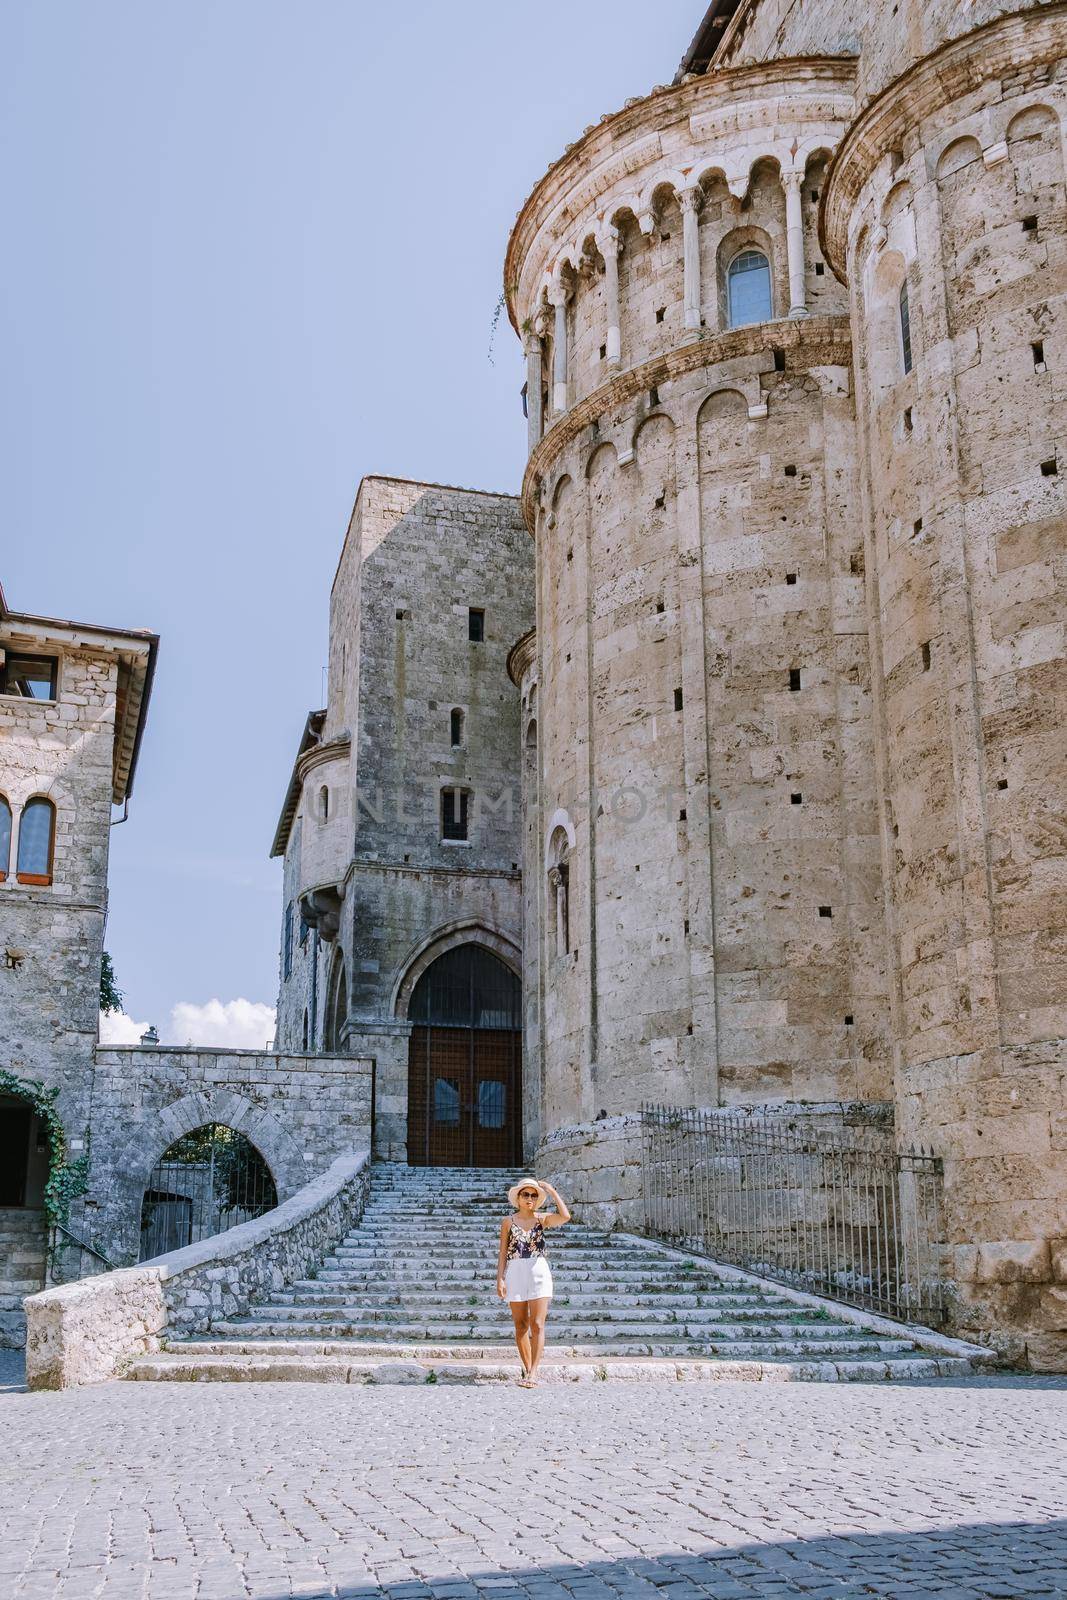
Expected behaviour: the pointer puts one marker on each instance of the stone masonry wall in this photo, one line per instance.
(417, 559)
(960, 204)
(300, 1111)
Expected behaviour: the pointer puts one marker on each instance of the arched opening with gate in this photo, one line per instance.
(465, 1062)
(207, 1181)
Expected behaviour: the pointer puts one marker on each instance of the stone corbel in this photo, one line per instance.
(321, 909)
(995, 153)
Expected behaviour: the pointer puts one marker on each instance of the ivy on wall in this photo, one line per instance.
(66, 1178)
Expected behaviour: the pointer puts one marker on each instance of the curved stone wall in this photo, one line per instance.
(704, 736)
(623, 251)
(951, 193)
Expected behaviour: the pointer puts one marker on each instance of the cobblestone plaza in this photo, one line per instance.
(731, 1491)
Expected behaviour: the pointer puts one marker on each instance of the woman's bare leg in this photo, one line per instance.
(538, 1313)
(520, 1317)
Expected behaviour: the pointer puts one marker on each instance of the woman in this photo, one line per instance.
(523, 1276)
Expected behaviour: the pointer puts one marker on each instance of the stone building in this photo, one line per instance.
(792, 716)
(73, 698)
(402, 926)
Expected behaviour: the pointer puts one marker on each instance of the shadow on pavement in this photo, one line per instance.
(974, 1561)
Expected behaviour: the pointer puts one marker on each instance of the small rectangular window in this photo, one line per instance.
(603, 352)
(820, 269)
(826, 911)
(677, 699)
(908, 422)
(779, 361)
(1049, 468)
(795, 799)
(790, 577)
(794, 677)
(1030, 224)
(454, 813)
(31, 677)
(1038, 352)
(661, 313)
(926, 657)
(475, 625)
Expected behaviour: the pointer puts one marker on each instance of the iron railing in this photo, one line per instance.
(834, 1211)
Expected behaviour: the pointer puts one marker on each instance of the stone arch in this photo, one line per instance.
(653, 447)
(1032, 122)
(720, 402)
(602, 456)
(448, 936)
(1035, 149)
(956, 154)
(530, 740)
(196, 1110)
(897, 201)
(560, 819)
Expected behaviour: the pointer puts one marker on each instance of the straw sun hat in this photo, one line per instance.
(525, 1183)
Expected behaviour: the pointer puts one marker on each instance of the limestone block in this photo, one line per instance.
(1014, 1261)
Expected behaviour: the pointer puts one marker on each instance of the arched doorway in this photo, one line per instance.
(207, 1181)
(465, 1062)
(24, 1164)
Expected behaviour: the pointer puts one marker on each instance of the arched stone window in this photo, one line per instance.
(37, 838)
(456, 721)
(748, 289)
(207, 1181)
(324, 804)
(905, 327)
(559, 885)
(5, 837)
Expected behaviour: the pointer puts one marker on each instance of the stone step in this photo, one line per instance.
(619, 1316)
(386, 1292)
(658, 1340)
(289, 1365)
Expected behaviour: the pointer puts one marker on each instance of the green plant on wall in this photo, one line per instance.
(66, 1178)
(110, 993)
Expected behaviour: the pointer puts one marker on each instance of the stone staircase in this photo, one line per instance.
(409, 1296)
(23, 1247)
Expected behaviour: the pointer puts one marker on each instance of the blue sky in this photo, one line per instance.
(252, 251)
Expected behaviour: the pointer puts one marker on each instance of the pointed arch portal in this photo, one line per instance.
(465, 1062)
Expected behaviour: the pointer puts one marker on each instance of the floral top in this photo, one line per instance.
(523, 1243)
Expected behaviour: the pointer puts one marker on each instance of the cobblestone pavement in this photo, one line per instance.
(730, 1491)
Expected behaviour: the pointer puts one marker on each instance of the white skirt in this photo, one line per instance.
(527, 1278)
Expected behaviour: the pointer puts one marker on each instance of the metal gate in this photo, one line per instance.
(839, 1213)
(465, 1063)
(206, 1182)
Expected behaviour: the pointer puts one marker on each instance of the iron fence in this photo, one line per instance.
(837, 1212)
(206, 1182)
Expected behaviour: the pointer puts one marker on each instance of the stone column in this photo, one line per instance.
(690, 201)
(533, 389)
(793, 182)
(558, 300)
(611, 246)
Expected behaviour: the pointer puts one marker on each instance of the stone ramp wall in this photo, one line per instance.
(87, 1332)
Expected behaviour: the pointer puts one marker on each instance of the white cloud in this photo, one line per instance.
(225, 1024)
(117, 1028)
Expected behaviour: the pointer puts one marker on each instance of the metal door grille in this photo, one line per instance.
(206, 1182)
(838, 1213)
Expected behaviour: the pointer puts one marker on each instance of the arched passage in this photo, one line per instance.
(206, 1182)
(465, 1062)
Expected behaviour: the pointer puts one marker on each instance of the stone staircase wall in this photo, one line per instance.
(87, 1332)
(23, 1253)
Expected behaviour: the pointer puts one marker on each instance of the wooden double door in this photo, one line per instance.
(465, 1063)
(464, 1097)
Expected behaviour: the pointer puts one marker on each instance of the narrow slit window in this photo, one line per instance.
(794, 678)
(677, 699)
(905, 328)
(1038, 351)
(456, 727)
(475, 625)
